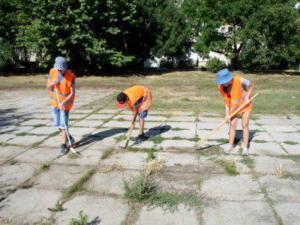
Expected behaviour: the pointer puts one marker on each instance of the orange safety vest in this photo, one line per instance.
(137, 92)
(235, 98)
(63, 88)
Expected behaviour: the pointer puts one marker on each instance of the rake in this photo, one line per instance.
(128, 136)
(66, 129)
(202, 142)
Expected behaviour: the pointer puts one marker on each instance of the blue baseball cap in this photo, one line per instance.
(224, 76)
(60, 63)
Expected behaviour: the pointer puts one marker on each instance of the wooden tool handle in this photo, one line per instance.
(230, 116)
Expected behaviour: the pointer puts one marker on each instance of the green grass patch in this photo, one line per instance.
(22, 134)
(248, 162)
(82, 219)
(77, 186)
(119, 138)
(54, 134)
(150, 151)
(229, 166)
(120, 119)
(209, 150)
(58, 207)
(107, 153)
(157, 139)
(146, 190)
(44, 166)
(222, 140)
(290, 142)
(259, 141)
(177, 129)
(178, 138)
(12, 162)
(195, 91)
(150, 154)
(38, 125)
(195, 139)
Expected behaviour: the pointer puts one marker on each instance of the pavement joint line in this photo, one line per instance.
(29, 148)
(265, 193)
(101, 126)
(274, 140)
(293, 125)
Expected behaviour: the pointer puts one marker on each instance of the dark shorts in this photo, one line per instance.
(143, 115)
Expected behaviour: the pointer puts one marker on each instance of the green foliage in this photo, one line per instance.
(58, 207)
(113, 35)
(77, 186)
(82, 220)
(255, 35)
(248, 162)
(145, 190)
(215, 65)
(5, 53)
(140, 189)
(229, 166)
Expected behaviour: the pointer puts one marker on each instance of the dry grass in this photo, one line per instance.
(154, 166)
(186, 91)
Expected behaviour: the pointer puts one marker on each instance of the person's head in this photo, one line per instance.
(224, 77)
(61, 64)
(122, 100)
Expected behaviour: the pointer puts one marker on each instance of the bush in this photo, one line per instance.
(5, 54)
(215, 65)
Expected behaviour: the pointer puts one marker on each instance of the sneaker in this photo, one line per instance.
(63, 149)
(245, 151)
(228, 148)
(141, 138)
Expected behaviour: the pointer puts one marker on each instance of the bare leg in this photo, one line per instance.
(232, 128)
(245, 124)
(142, 125)
(63, 136)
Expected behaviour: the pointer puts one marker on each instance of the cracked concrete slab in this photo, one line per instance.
(181, 216)
(103, 209)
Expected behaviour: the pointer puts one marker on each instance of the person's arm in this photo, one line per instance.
(51, 84)
(226, 110)
(134, 119)
(68, 97)
(249, 92)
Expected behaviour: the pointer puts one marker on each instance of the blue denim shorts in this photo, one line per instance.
(143, 115)
(60, 118)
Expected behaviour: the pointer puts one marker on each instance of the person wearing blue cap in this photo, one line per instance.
(61, 89)
(236, 91)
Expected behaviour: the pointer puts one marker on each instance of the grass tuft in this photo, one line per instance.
(12, 162)
(229, 166)
(145, 190)
(290, 142)
(82, 220)
(157, 139)
(248, 162)
(58, 207)
(77, 186)
(107, 153)
(260, 141)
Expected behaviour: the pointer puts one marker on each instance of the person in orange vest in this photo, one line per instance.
(139, 99)
(236, 91)
(61, 84)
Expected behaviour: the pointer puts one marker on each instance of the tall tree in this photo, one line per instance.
(252, 34)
